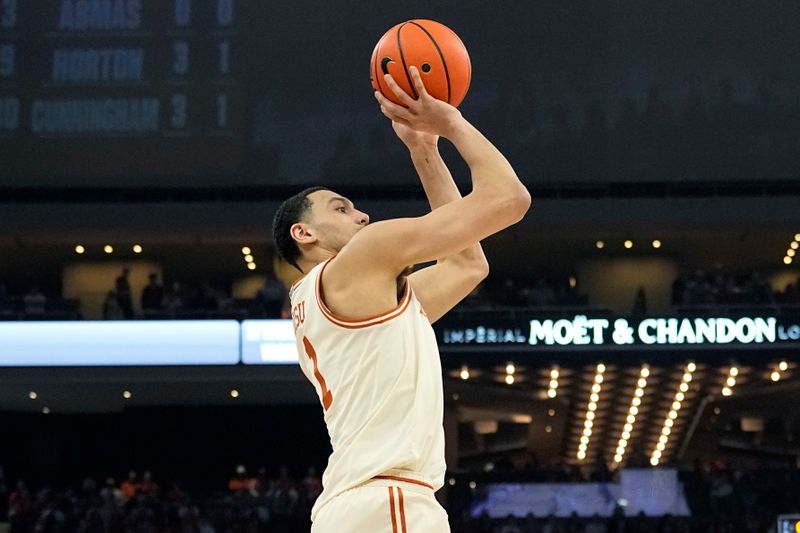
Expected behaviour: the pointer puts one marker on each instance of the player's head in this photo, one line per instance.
(315, 218)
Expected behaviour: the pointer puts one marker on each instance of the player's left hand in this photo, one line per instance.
(413, 138)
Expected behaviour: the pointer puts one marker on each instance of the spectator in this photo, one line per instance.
(35, 302)
(124, 297)
(239, 482)
(153, 295)
(130, 487)
(5, 300)
(272, 296)
(148, 487)
(111, 309)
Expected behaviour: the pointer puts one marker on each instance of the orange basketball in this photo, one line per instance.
(433, 48)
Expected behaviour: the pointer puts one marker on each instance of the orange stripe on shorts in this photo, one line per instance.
(391, 509)
(402, 510)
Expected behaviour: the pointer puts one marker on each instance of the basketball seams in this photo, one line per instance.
(378, 77)
(441, 55)
(403, 60)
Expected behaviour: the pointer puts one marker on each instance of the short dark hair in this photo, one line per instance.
(290, 212)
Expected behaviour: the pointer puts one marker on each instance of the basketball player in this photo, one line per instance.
(363, 324)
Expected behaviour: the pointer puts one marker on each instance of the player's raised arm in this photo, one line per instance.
(497, 201)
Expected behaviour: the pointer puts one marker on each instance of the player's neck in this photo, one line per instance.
(313, 258)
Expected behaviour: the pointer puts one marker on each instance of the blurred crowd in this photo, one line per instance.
(721, 500)
(702, 288)
(205, 299)
(253, 504)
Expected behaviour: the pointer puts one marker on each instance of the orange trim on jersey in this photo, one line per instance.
(327, 396)
(402, 510)
(364, 322)
(391, 509)
(406, 480)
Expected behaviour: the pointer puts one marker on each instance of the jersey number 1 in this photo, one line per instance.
(327, 397)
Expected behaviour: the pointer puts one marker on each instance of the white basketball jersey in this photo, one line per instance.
(380, 384)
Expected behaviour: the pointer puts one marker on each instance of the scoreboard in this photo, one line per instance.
(146, 90)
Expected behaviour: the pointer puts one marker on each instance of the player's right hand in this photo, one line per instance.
(425, 114)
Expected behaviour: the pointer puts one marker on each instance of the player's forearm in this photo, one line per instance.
(435, 176)
(492, 174)
(441, 189)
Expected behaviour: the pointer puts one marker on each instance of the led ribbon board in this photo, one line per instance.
(120, 343)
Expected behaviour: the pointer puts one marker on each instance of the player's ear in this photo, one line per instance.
(301, 233)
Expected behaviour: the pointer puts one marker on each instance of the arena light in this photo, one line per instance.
(137, 248)
(684, 387)
(591, 408)
(794, 245)
(552, 391)
(645, 372)
(730, 382)
(775, 376)
(637, 401)
(464, 373)
(628, 244)
(127, 394)
(680, 396)
(234, 393)
(45, 410)
(510, 368)
(251, 266)
(79, 249)
(787, 260)
(108, 249)
(600, 245)
(797, 237)
(656, 244)
(654, 461)
(246, 250)
(783, 366)
(790, 253)
(509, 379)
(691, 367)
(32, 395)
(248, 258)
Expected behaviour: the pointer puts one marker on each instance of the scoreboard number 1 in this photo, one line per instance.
(222, 110)
(8, 14)
(183, 12)
(178, 118)
(180, 61)
(6, 60)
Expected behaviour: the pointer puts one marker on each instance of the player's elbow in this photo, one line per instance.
(514, 204)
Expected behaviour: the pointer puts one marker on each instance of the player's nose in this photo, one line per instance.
(363, 218)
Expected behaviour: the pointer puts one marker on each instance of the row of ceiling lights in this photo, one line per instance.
(591, 408)
(791, 251)
(108, 248)
(137, 249)
(628, 244)
(126, 394)
(672, 415)
(633, 410)
(247, 254)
